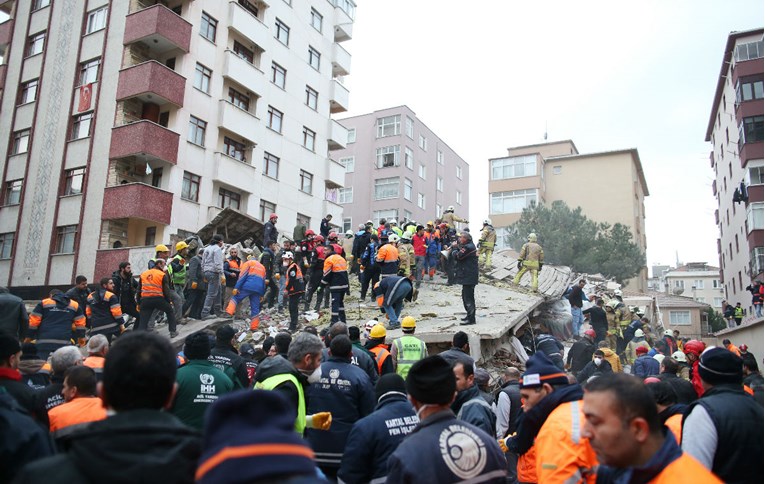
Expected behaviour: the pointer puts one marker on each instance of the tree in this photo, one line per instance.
(716, 320)
(570, 238)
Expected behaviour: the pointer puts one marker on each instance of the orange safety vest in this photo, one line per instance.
(527, 466)
(233, 263)
(78, 411)
(563, 453)
(298, 277)
(151, 283)
(253, 267)
(685, 469)
(387, 253)
(94, 362)
(380, 353)
(335, 263)
(675, 424)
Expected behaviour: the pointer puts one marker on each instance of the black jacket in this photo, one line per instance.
(682, 387)
(471, 407)
(324, 228)
(549, 346)
(513, 391)
(125, 289)
(598, 318)
(21, 439)
(80, 296)
(466, 272)
(361, 358)
(575, 296)
(146, 446)
(580, 354)
(14, 320)
(755, 383)
(269, 233)
(11, 384)
(591, 369)
(278, 365)
(225, 356)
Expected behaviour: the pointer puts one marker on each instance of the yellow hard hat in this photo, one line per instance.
(430, 222)
(378, 331)
(408, 323)
(161, 248)
(181, 245)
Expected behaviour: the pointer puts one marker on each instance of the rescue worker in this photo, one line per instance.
(369, 268)
(61, 360)
(232, 267)
(104, 311)
(334, 241)
(212, 267)
(336, 279)
(324, 227)
(668, 372)
(598, 319)
(387, 256)
(395, 228)
(670, 341)
(304, 249)
(466, 274)
(360, 242)
(408, 349)
(361, 357)
(693, 350)
(532, 259)
(406, 259)
(199, 382)
(251, 284)
(723, 428)
(581, 352)
(154, 293)
(374, 438)
(391, 293)
(316, 271)
(348, 244)
(226, 358)
(638, 340)
(161, 251)
(269, 261)
(80, 292)
(98, 347)
(611, 357)
(292, 376)
(645, 365)
(624, 429)
(270, 233)
(731, 347)
(486, 242)
(469, 404)
(738, 314)
(670, 412)
(294, 288)
(177, 269)
(343, 390)
(450, 219)
(549, 346)
(56, 322)
(614, 332)
(125, 287)
(442, 448)
(35, 372)
(552, 422)
(81, 406)
(376, 345)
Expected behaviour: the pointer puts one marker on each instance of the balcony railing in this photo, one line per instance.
(144, 139)
(137, 200)
(159, 28)
(151, 82)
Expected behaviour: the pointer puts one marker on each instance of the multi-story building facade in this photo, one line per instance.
(735, 131)
(132, 123)
(544, 173)
(697, 280)
(396, 167)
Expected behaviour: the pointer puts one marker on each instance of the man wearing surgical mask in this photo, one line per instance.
(291, 377)
(597, 367)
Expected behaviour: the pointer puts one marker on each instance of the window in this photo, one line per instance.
(243, 52)
(282, 32)
(422, 171)
(38, 4)
(679, 284)
(407, 215)
(96, 20)
(756, 260)
(316, 19)
(156, 177)
(345, 195)
(278, 75)
(514, 167)
(755, 174)
(249, 7)
(20, 142)
(65, 236)
(408, 189)
(347, 6)
(749, 51)
(680, 318)
(234, 149)
(73, 183)
(349, 162)
(388, 126)
(439, 184)
(190, 187)
(387, 156)
(227, 198)
(421, 200)
(557, 169)
(309, 139)
(314, 58)
(202, 77)
(716, 284)
(35, 44)
(459, 197)
(718, 302)
(13, 192)
(423, 143)
(197, 129)
(440, 157)
(270, 165)
(29, 91)
(386, 188)
(347, 224)
(150, 236)
(266, 209)
(748, 89)
(409, 157)
(386, 214)
(311, 98)
(238, 99)
(410, 127)
(439, 210)
(208, 27)
(513, 201)
(89, 71)
(698, 283)
(754, 216)
(275, 119)
(351, 135)
(306, 182)
(750, 130)
(701, 300)
(459, 171)
(81, 125)
(6, 245)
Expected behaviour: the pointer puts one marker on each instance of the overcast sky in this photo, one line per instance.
(487, 75)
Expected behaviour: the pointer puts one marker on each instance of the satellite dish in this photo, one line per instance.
(677, 291)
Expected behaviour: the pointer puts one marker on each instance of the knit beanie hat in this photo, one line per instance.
(9, 346)
(718, 366)
(431, 380)
(482, 377)
(29, 352)
(389, 383)
(539, 370)
(250, 436)
(225, 333)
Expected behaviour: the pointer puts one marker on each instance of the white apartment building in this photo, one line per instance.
(696, 280)
(132, 123)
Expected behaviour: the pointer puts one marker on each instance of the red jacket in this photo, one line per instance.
(420, 243)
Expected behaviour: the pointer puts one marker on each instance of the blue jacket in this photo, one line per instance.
(346, 392)
(375, 437)
(473, 409)
(250, 281)
(443, 449)
(645, 366)
(389, 285)
(368, 257)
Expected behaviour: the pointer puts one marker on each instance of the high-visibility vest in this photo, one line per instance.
(276, 380)
(151, 283)
(179, 277)
(380, 354)
(409, 350)
(738, 312)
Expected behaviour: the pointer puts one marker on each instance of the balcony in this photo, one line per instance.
(244, 73)
(137, 200)
(246, 24)
(335, 174)
(751, 151)
(341, 61)
(151, 82)
(6, 34)
(717, 217)
(337, 136)
(755, 193)
(6, 6)
(338, 97)
(343, 25)
(107, 260)
(234, 173)
(714, 188)
(237, 120)
(159, 28)
(330, 207)
(146, 140)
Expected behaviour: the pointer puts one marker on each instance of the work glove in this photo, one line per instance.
(222, 279)
(520, 264)
(361, 268)
(28, 340)
(81, 342)
(183, 262)
(502, 445)
(319, 421)
(277, 276)
(194, 285)
(138, 307)
(235, 292)
(122, 328)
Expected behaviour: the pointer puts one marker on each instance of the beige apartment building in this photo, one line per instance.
(132, 123)
(546, 172)
(697, 280)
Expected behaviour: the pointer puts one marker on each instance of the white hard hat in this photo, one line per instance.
(370, 324)
(450, 209)
(288, 255)
(618, 292)
(487, 221)
(639, 333)
(393, 238)
(679, 356)
(393, 222)
(349, 232)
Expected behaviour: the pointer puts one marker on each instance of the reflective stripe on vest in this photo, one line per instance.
(276, 380)
(380, 355)
(151, 283)
(576, 431)
(410, 350)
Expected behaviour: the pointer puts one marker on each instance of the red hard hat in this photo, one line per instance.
(309, 232)
(332, 236)
(273, 215)
(694, 346)
(318, 238)
(651, 379)
(590, 333)
(743, 347)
